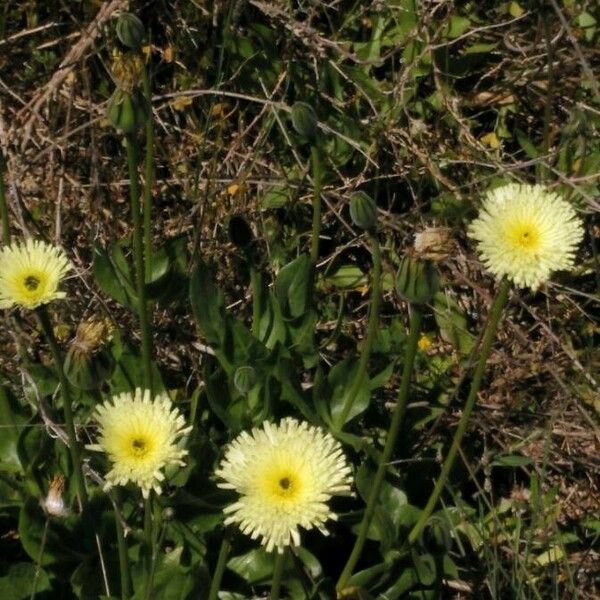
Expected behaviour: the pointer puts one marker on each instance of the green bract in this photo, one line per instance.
(417, 281)
(128, 111)
(363, 211)
(130, 30)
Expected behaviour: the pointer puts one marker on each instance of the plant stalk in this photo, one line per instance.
(397, 418)
(255, 282)
(122, 550)
(138, 258)
(317, 175)
(148, 542)
(217, 577)
(46, 325)
(148, 180)
(3, 206)
(486, 348)
(277, 575)
(370, 335)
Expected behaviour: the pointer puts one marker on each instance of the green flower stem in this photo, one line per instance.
(148, 542)
(46, 325)
(148, 179)
(256, 296)
(486, 348)
(3, 206)
(124, 566)
(317, 175)
(277, 575)
(370, 335)
(148, 521)
(397, 418)
(215, 584)
(138, 257)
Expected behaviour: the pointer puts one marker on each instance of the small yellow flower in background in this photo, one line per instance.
(30, 274)
(284, 474)
(525, 232)
(140, 436)
(181, 103)
(424, 342)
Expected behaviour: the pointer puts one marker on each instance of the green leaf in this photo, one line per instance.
(208, 305)
(341, 379)
(292, 286)
(60, 545)
(457, 26)
(17, 584)
(255, 567)
(174, 581)
(425, 568)
(113, 275)
(347, 277)
(527, 145)
(452, 323)
(12, 420)
(276, 197)
(511, 460)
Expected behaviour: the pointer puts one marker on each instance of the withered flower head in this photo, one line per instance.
(433, 243)
(126, 69)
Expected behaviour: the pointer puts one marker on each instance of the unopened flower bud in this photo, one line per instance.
(128, 111)
(54, 503)
(363, 211)
(417, 281)
(433, 243)
(244, 379)
(304, 121)
(130, 30)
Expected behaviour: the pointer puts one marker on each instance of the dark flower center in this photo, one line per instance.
(32, 283)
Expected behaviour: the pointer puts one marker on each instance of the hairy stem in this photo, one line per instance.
(148, 180)
(277, 575)
(3, 205)
(46, 325)
(317, 174)
(122, 550)
(215, 584)
(138, 258)
(370, 335)
(255, 282)
(486, 348)
(397, 418)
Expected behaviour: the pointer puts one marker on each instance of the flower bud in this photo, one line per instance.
(363, 211)
(433, 243)
(130, 30)
(244, 379)
(417, 281)
(304, 121)
(88, 363)
(128, 111)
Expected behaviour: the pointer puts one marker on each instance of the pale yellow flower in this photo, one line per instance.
(526, 232)
(30, 274)
(285, 474)
(140, 437)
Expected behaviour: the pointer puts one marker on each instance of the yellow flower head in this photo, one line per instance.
(525, 232)
(140, 437)
(285, 475)
(30, 274)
